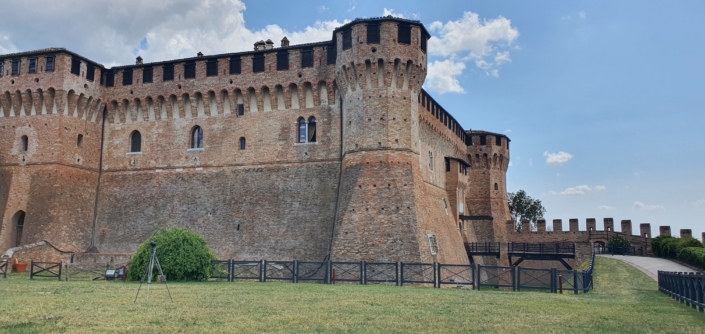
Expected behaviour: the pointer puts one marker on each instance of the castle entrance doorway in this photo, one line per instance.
(18, 222)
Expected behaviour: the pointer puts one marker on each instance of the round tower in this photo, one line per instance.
(380, 67)
(488, 155)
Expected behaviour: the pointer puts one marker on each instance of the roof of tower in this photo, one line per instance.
(482, 132)
(49, 51)
(381, 19)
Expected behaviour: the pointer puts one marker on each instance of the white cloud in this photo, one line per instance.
(600, 188)
(443, 75)
(551, 192)
(390, 12)
(579, 190)
(511, 164)
(582, 15)
(172, 29)
(508, 131)
(322, 9)
(642, 206)
(606, 208)
(353, 4)
(557, 158)
(472, 39)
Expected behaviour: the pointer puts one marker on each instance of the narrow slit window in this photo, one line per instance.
(258, 63)
(496, 187)
(79, 140)
(282, 60)
(90, 72)
(424, 41)
(430, 161)
(135, 142)
(373, 33)
(168, 74)
(243, 144)
(311, 130)
(49, 64)
(212, 68)
(432, 244)
(447, 165)
(302, 130)
(127, 77)
(347, 39)
(235, 65)
(75, 66)
(197, 137)
(32, 65)
(498, 140)
(2, 68)
(24, 144)
(15, 67)
(190, 70)
(307, 57)
(147, 74)
(404, 33)
(331, 53)
(483, 140)
(240, 109)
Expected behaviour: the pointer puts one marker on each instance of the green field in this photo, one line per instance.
(624, 301)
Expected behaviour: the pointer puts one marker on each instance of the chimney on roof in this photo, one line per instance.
(138, 60)
(199, 54)
(259, 46)
(269, 45)
(285, 42)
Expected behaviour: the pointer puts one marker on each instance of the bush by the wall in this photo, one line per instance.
(658, 244)
(618, 241)
(183, 255)
(693, 255)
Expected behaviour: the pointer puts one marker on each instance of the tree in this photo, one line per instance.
(523, 207)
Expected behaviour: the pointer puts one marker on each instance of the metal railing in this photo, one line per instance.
(541, 248)
(482, 247)
(687, 288)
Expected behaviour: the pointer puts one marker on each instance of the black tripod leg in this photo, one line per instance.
(141, 281)
(161, 273)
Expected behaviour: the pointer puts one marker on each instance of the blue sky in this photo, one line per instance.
(603, 100)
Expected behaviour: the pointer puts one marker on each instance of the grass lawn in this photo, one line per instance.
(624, 301)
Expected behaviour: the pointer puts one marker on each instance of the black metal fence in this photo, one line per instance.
(636, 251)
(541, 248)
(688, 288)
(45, 269)
(3, 268)
(399, 273)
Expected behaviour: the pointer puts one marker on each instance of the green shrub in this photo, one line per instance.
(693, 255)
(618, 241)
(183, 255)
(669, 247)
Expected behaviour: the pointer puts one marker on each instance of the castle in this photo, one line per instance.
(328, 150)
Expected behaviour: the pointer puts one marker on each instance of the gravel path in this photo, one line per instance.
(650, 265)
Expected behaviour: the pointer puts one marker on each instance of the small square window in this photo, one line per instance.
(49, 64)
(147, 74)
(32, 67)
(483, 140)
(168, 74)
(498, 140)
(15, 67)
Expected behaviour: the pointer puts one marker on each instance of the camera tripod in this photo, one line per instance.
(148, 274)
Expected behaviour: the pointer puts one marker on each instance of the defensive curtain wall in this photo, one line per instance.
(329, 150)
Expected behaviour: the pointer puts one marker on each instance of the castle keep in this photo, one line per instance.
(329, 150)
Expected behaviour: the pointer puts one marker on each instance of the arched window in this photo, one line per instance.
(496, 187)
(79, 141)
(302, 130)
(312, 129)
(24, 144)
(243, 144)
(197, 137)
(19, 225)
(135, 142)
